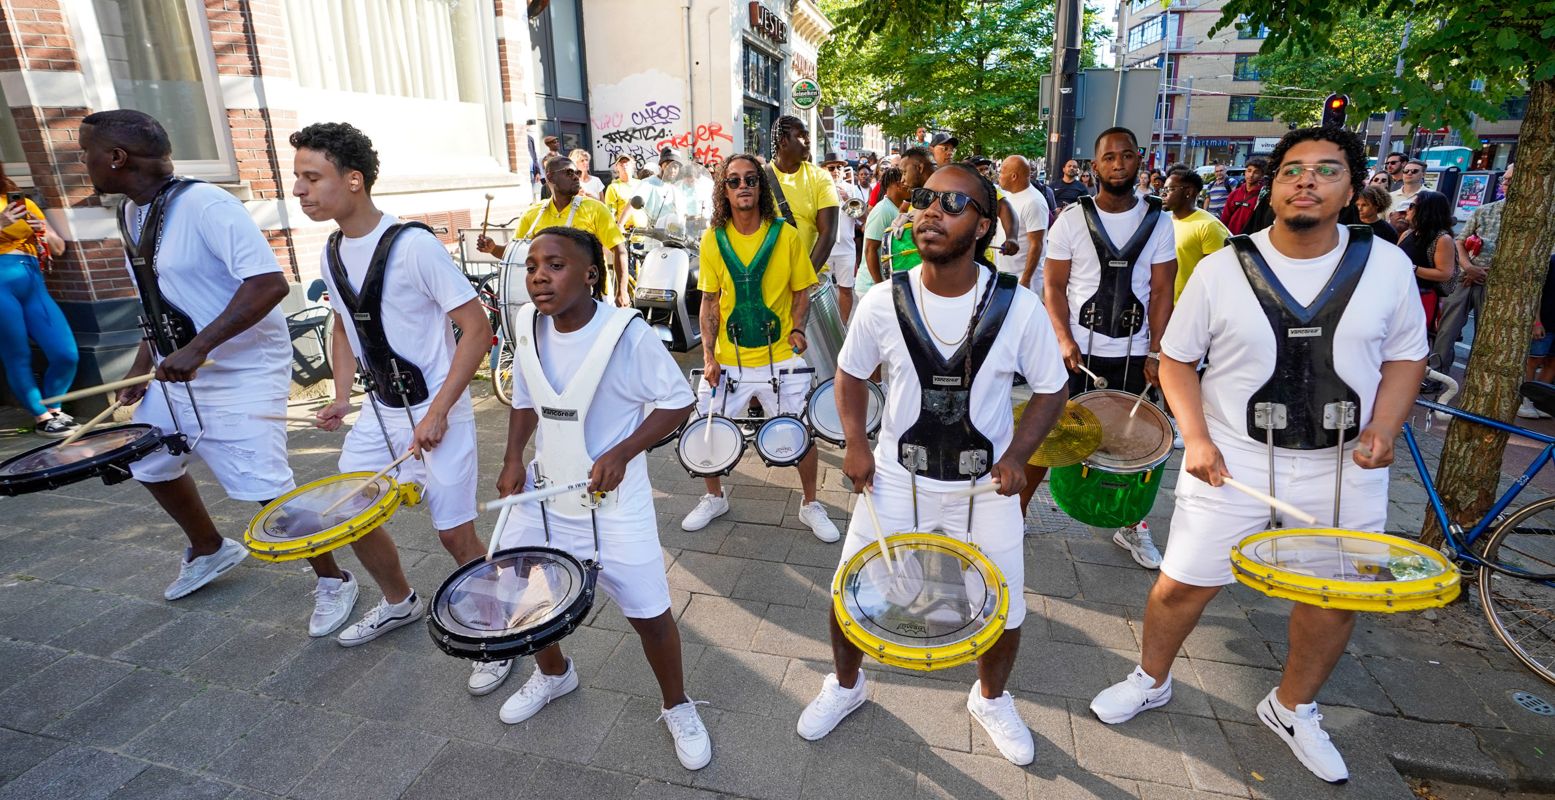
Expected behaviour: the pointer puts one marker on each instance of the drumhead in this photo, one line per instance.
(512, 291)
(1128, 444)
(97, 453)
(706, 453)
(1352, 570)
(782, 441)
(294, 525)
(940, 603)
(821, 410)
(518, 602)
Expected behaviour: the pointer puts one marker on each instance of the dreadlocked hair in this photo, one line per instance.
(989, 201)
(783, 127)
(592, 250)
(723, 210)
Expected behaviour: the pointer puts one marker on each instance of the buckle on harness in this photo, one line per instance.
(973, 462)
(1271, 416)
(1339, 415)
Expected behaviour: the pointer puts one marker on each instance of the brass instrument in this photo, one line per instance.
(855, 208)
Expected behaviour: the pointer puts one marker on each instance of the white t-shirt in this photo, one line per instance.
(845, 248)
(640, 376)
(1030, 215)
(661, 201)
(1219, 314)
(210, 245)
(1025, 343)
(1070, 240)
(421, 285)
(593, 187)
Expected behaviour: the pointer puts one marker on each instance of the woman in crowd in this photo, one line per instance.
(1372, 206)
(591, 185)
(1428, 243)
(27, 312)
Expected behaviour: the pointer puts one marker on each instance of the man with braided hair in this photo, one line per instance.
(806, 196)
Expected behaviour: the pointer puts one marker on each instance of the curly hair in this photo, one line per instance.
(1347, 142)
(723, 211)
(591, 248)
(1379, 198)
(345, 147)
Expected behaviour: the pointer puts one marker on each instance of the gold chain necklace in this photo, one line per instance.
(930, 326)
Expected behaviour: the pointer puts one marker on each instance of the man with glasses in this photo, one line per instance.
(1413, 174)
(1289, 344)
(950, 335)
(1393, 165)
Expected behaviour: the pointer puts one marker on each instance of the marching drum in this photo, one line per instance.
(783, 441)
(512, 289)
(710, 446)
(823, 328)
(821, 411)
(513, 604)
(1348, 570)
(1116, 485)
(900, 252)
(105, 453)
(295, 524)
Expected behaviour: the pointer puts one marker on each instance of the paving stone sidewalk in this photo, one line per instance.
(106, 690)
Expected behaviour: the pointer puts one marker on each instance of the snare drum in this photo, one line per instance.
(710, 453)
(1348, 570)
(939, 604)
(513, 604)
(1116, 486)
(783, 441)
(104, 453)
(821, 411)
(292, 525)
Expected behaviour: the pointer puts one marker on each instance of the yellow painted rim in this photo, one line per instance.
(922, 658)
(399, 494)
(1383, 596)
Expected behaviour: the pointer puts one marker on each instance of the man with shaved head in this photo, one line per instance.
(1031, 214)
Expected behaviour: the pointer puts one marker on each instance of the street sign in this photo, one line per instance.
(805, 93)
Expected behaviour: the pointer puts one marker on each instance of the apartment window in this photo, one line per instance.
(1243, 110)
(1244, 70)
(1148, 32)
(1515, 108)
(10, 140)
(1245, 31)
(762, 75)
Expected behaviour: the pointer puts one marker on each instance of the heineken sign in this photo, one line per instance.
(805, 93)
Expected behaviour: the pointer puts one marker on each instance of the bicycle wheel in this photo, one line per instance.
(1521, 610)
(486, 292)
(502, 369)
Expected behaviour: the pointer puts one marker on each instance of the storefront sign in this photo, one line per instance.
(767, 23)
(805, 93)
(802, 67)
(1265, 144)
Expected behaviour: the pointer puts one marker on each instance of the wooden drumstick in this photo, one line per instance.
(111, 386)
(1097, 380)
(309, 418)
(885, 552)
(1272, 501)
(369, 482)
(534, 496)
(487, 217)
(1137, 402)
(707, 430)
(973, 491)
(83, 430)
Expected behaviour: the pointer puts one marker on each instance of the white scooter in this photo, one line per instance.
(667, 270)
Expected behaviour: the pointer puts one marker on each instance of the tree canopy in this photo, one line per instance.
(1347, 64)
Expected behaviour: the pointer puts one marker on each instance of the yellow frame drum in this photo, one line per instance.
(289, 527)
(1348, 570)
(903, 631)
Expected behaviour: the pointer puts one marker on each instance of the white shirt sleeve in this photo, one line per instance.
(1033, 216)
(1040, 362)
(1187, 333)
(436, 271)
(1405, 338)
(861, 353)
(1060, 244)
(657, 375)
(228, 231)
(1165, 240)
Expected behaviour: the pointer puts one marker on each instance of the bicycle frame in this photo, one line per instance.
(1462, 551)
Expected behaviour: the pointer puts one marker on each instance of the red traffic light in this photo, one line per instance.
(1333, 110)
(1336, 102)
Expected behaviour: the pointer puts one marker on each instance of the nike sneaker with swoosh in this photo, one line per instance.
(1302, 731)
(1121, 701)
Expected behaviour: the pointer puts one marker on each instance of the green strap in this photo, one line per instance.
(751, 323)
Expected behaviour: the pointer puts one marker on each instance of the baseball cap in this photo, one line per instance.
(668, 154)
(623, 158)
(944, 138)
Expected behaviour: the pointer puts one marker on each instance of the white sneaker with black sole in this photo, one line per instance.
(333, 600)
(54, 426)
(693, 746)
(1303, 733)
(709, 508)
(381, 619)
(1003, 724)
(1136, 539)
(486, 676)
(831, 706)
(196, 572)
(536, 693)
(1121, 701)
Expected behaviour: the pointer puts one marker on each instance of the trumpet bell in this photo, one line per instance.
(855, 208)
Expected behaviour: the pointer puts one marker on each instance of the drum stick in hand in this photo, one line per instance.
(111, 386)
(973, 491)
(1274, 502)
(533, 496)
(885, 552)
(707, 430)
(1096, 380)
(487, 217)
(1137, 402)
(83, 430)
(369, 482)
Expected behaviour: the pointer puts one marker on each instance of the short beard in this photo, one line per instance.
(1119, 190)
(954, 249)
(1301, 223)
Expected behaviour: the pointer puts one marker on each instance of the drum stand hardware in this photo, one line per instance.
(1341, 416)
(1271, 417)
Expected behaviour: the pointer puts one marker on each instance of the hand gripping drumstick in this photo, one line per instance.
(1097, 380)
(90, 424)
(112, 386)
(533, 496)
(369, 482)
(973, 491)
(1274, 502)
(487, 217)
(885, 552)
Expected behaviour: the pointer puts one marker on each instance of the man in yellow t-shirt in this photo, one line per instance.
(569, 208)
(808, 190)
(1198, 232)
(755, 286)
(618, 195)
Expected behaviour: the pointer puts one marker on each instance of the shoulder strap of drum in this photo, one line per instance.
(915, 332)
(1272, 294)
(585, 382)
(369, 297)
(1107, 252)
(145, 245)
(777, 191)
(758, 263)
(158, 312)
(997, 306)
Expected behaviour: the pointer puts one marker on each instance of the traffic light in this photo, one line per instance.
(1333, 110)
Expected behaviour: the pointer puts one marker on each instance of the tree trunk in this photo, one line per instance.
(1470, 467)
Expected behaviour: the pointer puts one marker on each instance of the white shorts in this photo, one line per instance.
(631, 561)
(999, 529)
(245, 453)
(843, 268)
(749, 382)
(1208, 521)
(446, 473)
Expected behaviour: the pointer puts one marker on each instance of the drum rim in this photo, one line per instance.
(871, 427)
(785, 419)
(706, 472)
(918, 658)
(1381, 591)
(553, 629)
(1155, 460)
(150, 439)
(379, 512)
(1374, 603)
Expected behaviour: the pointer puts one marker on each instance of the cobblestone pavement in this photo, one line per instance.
(106, 690)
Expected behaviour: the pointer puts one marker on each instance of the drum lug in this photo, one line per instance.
(177, 444)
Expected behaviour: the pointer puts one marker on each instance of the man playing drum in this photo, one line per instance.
(951, 334)
(400, 289)
(1111, 261)
(755, 284)
(211, 269)
(585, 379)
(1334, 377)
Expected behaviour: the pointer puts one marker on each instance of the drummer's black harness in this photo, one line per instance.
(1114, 309)
(1305, 404)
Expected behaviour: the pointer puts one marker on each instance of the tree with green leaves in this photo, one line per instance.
(1509, 45)
(1295, 83)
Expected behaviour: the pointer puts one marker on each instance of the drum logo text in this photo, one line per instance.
(1303, 332)
(947, 380)
(567, 414)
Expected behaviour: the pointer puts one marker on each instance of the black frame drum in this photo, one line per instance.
(514, 603)
(710, 453)
(783, 441)
(105, 453)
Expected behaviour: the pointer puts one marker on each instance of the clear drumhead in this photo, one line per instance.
(822, 410)
(935, 598)
(783, 439)
(1344, 557)
(515, 591)
(88, 447)
(711, 450)
(1128, 443)
(302, 515)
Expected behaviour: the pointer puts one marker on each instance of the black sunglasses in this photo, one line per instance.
(752, 180)
(953, 203)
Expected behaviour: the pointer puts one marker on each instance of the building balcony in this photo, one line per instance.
(1182, 44)
(1170, 127)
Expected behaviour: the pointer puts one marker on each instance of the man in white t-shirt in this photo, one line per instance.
(199, 256)
(1030, 221)
(400, 289)
(844, 253)
(1349, 332)
(948, 416)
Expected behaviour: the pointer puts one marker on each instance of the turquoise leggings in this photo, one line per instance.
(27, 311)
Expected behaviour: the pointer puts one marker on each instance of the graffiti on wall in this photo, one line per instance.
(643, 114)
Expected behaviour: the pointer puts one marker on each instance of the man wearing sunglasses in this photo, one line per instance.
(1393, 165)
(1413, 175)
(950, 335)
(1312, 326)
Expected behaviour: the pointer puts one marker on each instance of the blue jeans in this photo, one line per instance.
(28, 312)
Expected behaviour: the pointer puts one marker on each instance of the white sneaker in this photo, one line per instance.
(1139, 544)
(1177, 441)
(536, 692)
(488, 675)
(693, 746)
(196, 572)
(1003, 724)
(709, 508)
(381, 619)
(831, 706)
(1527, 411)
(1301, 729)
(1138, 692)
(333, 600)
(814, 515)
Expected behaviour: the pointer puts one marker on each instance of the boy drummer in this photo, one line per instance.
(584, 373)
(400, 289)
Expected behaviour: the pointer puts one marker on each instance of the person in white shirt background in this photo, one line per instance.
(662, 202)
(591, 185)
(844, 259)
(1031, 216)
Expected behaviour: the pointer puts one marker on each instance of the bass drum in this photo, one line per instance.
(512, 290)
